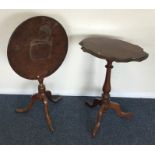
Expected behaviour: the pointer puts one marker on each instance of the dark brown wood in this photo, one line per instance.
(112, 50)
(36, 49)
(38, 46)
(43, 95)
(105, 102)
(53, 98)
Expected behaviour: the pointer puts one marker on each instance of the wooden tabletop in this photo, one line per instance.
(37, 47)
(113, 49)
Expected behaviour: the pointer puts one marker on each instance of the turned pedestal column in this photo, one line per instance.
(110, 49)
(43, 95)
(105, 102)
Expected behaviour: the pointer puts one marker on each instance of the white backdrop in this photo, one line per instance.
(81, 73)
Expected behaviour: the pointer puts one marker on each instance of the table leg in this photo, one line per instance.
(94, 103)
(105, 97)
(29, 106)
(47, 116)
(117, 108)
(55, 98)
(43, 96)
(106, 103)
(100, 114)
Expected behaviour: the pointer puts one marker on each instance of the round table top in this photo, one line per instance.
(37, 47)
(113, 49)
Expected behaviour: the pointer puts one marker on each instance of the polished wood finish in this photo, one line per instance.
(105, 103)
(113, 49)
(38, 46)
(43, 95)
(36, 49)
(110, 49)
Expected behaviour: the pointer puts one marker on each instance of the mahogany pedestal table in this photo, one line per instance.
(36, 49)
(110, 49)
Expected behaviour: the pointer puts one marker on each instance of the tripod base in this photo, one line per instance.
(43, 97)
(104, 107)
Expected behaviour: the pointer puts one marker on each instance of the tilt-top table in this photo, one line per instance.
(116, 50)
(36, 49)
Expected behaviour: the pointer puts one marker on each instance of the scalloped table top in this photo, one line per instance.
(113, 49)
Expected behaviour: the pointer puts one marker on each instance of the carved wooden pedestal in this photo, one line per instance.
(43, 96)
(105, 103)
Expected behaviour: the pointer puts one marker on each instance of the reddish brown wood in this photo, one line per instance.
(38, 46)
(34, 98)
(36, 49)
(105, 102)
(43, 97)
(94, 103)
(52, 98)
(111, 49)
